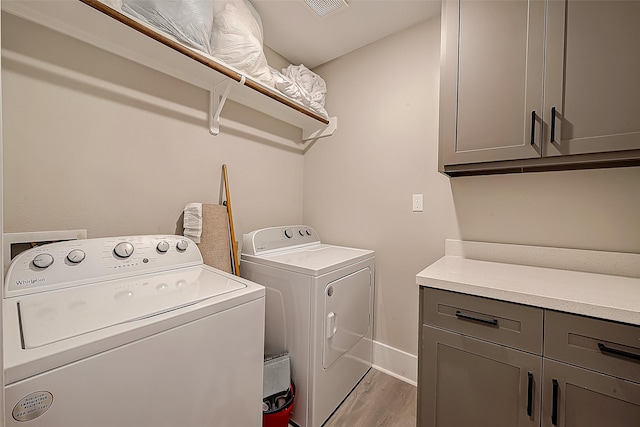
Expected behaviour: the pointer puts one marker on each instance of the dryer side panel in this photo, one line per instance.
(288, 325)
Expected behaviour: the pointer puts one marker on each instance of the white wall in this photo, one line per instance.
(591, 209)
(358, 183)
(97, 142)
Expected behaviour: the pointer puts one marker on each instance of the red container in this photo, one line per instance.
(279, 417)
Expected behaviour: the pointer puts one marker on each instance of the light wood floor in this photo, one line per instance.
(380, 400)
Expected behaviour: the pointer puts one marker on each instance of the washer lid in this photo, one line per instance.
(314, 260)
(58, 315)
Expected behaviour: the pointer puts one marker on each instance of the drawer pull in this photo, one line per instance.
(613, 351)
(492, 322)
(554, 410)
(553, 125)
(529, 393)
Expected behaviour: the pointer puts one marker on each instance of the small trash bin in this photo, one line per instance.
(276, 409)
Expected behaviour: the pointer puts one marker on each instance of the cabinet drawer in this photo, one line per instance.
(608, 347)
(509, 324)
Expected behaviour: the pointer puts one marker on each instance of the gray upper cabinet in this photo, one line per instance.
(491, 80)
(539, 84)
(592, 79)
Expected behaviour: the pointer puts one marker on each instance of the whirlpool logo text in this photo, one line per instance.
(29, 282)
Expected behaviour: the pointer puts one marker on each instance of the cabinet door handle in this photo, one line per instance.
(614, 351)
(554, 410)
(461, 315)
(529, 393)
(533, 127)
(553, 124)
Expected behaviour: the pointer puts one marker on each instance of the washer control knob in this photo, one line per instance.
(308, 231)
(123, 249)
(288, 233)
(182, 245)
(301, 232)
(76, 256)
(43, 260)
(163, 246)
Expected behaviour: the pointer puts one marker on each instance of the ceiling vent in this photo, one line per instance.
(323, 8)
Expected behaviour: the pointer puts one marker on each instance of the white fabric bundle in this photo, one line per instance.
(113, 4)
(308, 80)
(236, 39)
(230, 31)
(296, 92)
(190, 21)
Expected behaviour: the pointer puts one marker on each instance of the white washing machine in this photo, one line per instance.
(130, 332)
(319, 309)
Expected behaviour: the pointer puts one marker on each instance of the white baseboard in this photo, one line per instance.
(396, 363)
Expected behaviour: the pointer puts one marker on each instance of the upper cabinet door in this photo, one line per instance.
(491, 80)
(592, 77)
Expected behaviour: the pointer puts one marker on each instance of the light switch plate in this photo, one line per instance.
(418, 203)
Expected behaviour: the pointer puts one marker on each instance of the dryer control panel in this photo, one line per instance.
(272, 239)
(77, 262)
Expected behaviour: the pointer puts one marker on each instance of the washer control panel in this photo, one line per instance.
(277, 238)
(77, 262)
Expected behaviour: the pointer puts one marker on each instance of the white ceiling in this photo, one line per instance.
(293, 30)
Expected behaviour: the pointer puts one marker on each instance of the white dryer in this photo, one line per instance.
(319, 309)
(130, 332)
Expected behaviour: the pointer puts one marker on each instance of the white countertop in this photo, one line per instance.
(605, 296)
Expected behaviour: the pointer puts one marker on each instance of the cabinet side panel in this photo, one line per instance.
(448, 83)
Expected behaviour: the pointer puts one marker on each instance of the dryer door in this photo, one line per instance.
(347, 317)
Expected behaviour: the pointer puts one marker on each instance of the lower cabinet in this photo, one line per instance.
(591, 372)
(576, 397)
(469, 382)
(481, 363)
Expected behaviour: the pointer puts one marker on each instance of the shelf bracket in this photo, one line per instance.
(218, 96)
(315, 133)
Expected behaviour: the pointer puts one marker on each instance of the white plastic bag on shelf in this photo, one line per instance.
(296, 92)
(236, 39)
(309, 81)
(189, 21)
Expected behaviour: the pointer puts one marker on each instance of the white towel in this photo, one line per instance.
(193, 221)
